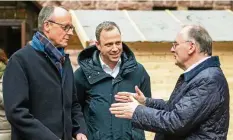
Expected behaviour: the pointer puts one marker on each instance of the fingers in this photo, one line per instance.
(118, 105)
(138, 91)
(121, 116)
(81, 137)
(124, 97)
(118, 108)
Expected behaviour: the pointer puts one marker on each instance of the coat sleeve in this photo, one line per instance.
(17, 104)
(194, 107)
(145, 84)
(79, 124)
(155, 103)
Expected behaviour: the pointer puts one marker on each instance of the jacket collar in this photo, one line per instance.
(211, 62)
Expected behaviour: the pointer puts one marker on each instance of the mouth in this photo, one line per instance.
(115, 55)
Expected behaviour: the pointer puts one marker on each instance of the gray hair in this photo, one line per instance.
(45, 14)
(107, 26)
(201, 37)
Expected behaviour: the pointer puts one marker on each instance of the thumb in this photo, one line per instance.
(132, 99)
(138, 91)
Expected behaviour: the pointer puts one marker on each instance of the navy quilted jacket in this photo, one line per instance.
(198, 108)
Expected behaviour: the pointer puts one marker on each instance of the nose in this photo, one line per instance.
(115, 47)
(172, 49)
(71, 31)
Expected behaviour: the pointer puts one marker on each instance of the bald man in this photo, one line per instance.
(38, 86)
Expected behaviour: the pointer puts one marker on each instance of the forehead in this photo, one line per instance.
(114, 33)
(179, 37)
(62, 16)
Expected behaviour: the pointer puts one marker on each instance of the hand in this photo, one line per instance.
(81, 136)
(124, 110)
(92, 42)
(128, 97)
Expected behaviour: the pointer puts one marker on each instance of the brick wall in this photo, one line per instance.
(141, 4)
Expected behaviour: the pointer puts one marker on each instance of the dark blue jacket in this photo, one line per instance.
(198, 108)
(97, 89)
(39, 103)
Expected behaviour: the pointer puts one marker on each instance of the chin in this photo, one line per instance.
(63, 45)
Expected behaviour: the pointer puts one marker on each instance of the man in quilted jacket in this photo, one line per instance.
(198, 108)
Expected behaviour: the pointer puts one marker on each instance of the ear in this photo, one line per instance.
(46, 27)
(98, 45)
(192, 48)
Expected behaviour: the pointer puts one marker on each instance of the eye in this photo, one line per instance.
(118, 43)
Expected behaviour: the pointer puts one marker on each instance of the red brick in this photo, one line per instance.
(196, 4)
(88, 5)
(170, 3)
(208, 3)
(145, 5)
(227, 3)
(128, 6)
(184, 3)
(107, 5)
(159, 3)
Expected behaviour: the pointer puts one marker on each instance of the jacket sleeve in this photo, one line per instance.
(17, 104)
(79, 124)
(145, 84)
(194, 107)
(155, 103)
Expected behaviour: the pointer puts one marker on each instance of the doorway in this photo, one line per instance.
(12, 36)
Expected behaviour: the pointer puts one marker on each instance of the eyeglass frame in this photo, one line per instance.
(64, 27)
(175, 44)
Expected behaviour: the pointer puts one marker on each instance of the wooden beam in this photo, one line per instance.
(10, 22)
(79, 30)
(143, 38)
(23, 34)
(173, 16)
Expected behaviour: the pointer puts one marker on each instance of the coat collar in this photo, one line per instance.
(211, 62)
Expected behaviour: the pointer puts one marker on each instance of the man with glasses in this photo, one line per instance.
(198, 108)
(38, 86)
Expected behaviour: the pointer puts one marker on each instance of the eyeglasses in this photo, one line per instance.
(175, 44)
(66, 28)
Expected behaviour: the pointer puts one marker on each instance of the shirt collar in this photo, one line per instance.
(104, 65)
(195, 64)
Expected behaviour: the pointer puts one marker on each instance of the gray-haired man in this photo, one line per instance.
(38, 88)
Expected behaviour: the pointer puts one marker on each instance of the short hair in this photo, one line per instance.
(107, 26)
(202, 37)
(44, 15)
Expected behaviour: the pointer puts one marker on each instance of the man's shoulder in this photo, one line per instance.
(210, 75)
(78, 74)
(23, 52)
(140, 67)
